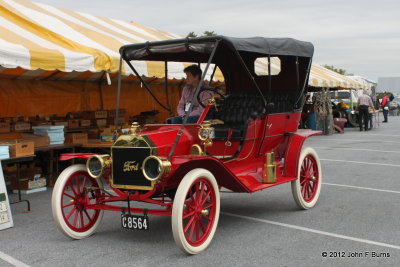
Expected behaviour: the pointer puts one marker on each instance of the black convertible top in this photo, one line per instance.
(259, 46)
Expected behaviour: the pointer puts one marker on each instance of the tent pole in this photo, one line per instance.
(101, 90)
(146, 86)
(116, 122)
(166, 87)
(351, 99)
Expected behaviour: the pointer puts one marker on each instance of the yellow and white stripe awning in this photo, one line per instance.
(323, 77)
(37, 36)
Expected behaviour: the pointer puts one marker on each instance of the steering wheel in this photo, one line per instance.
(214, 90)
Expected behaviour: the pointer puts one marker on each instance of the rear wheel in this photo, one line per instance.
(353, 119)
(307, 187)
(73, 191)
(195, 211)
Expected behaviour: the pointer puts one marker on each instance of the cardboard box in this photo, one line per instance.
(77, 138)
(100, 114)
(93, 134)
(27, 184)
(22, 126)
(19, 148)
(107, 138)
(38, 140)
(101, 122)
(5, 127)
(111, 121)
(85, 123)
(73, 124)
(121, 113)
(107, 135)
(61, 123)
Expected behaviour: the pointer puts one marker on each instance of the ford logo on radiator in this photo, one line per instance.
(131, 166)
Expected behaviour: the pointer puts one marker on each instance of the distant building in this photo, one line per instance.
(389, 84)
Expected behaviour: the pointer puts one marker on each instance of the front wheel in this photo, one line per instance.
(307, 187)
(195, 211)
(73, 191)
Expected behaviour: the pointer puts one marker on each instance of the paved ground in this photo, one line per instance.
(355, 223)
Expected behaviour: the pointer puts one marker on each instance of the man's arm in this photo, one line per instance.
(182, 102)
(204, 96)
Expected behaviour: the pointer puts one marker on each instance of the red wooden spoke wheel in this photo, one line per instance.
(309, 178)
(73, 191)
(307, 187)
(195, 211)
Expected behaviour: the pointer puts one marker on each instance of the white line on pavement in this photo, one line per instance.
(394, 135)
(357, 149)
(365, 188)
(364, 141)
(361, 162)
(366, 241)
(12, 260)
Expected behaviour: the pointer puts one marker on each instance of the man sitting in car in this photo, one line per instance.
(193, 76)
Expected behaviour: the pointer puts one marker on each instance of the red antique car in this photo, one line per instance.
(246, 140)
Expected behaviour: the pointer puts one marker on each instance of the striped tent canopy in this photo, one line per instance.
(41, 42)
(323, 77)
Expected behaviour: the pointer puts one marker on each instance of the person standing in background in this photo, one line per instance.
(385, 107)
(364, 103)
(370, 114)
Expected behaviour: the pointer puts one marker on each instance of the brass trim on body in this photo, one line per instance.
(131, 142)
(205, 127)
(206, 134)
(196, 150)
(136, 187)
(135, 128)
(269, 170)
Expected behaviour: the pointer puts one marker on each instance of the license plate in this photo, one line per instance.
(135, 222)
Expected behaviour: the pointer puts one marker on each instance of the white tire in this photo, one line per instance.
(307, 187)
(68, 202)
(195, 211)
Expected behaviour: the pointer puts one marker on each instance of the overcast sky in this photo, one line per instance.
(362, 37)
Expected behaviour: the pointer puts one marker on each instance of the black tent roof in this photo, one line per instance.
(254, 45)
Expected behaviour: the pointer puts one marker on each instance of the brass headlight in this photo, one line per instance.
(154, 168)
(97, 164)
